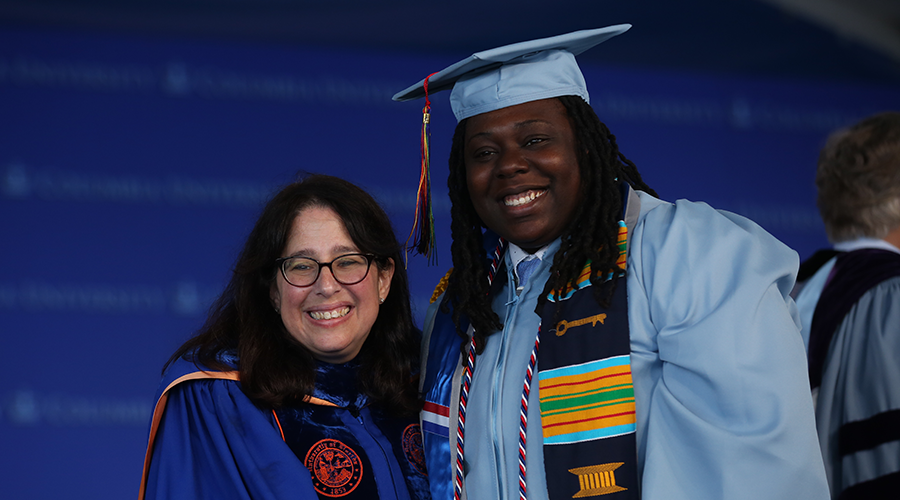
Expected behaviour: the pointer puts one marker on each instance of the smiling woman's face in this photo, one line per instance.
(330, 319)
(522, 171)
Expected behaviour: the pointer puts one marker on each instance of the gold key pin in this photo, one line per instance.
(564, 325)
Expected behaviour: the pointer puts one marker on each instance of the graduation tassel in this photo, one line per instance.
(422, 234)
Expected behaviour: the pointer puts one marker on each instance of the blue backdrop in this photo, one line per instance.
(131, 170)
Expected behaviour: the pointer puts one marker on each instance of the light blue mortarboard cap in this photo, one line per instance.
(514, 74)
(495, 79)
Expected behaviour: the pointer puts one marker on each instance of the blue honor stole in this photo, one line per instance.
(440, 385)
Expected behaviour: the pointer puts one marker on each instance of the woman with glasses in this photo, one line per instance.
(301, 384)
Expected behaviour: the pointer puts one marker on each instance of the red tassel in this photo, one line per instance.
(422, 234)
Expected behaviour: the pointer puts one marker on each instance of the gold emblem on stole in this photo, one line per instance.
(597, 480)
(564, 325)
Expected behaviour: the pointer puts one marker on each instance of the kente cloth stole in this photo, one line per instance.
(586, 392)
(854, 274)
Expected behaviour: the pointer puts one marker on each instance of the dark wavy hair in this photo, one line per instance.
(274, 367)
(590, 235)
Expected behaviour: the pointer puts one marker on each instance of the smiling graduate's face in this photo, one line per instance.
(522, 171)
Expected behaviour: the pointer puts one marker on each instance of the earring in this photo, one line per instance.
(380, 300)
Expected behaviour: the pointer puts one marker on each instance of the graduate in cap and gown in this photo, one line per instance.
(592, 339)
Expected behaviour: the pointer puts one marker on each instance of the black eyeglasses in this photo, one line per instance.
(347, 269)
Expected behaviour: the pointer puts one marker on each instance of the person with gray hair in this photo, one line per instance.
(850, 308)
(859, 180)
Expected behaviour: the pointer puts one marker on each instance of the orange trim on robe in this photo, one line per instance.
(161, 406)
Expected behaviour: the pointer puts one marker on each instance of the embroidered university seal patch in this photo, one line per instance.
(412, 447)
(336, 469)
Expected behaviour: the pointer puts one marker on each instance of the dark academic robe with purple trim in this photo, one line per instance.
(854, 362)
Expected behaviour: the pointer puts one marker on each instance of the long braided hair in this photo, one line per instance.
(590, 235)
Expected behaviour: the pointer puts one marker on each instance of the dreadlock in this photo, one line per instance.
(590, 235)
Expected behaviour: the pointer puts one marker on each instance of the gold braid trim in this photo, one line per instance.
(441, 286)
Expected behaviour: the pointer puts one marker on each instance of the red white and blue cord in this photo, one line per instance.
(467, 382)
(523, 416)
(464, 399)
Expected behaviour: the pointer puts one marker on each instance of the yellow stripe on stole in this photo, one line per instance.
(588, 421)
(598, 379)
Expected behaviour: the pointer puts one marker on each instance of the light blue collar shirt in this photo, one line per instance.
(492, 450)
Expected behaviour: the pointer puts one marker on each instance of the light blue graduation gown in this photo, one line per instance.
(722, 394)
